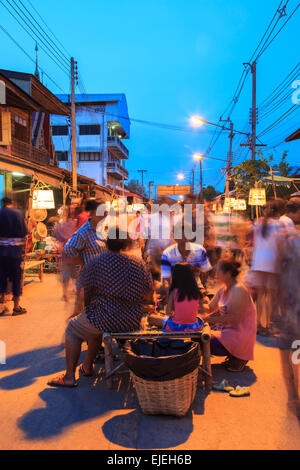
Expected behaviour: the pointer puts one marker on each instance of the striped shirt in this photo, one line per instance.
(196, 257)
(85, 243)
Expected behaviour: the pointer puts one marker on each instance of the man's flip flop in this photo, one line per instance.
(223, 387)
(59, 382)
(81, 369)
(240, 392)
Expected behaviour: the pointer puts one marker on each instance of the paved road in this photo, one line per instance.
(35, 416)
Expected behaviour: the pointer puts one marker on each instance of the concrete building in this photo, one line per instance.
(102, 122)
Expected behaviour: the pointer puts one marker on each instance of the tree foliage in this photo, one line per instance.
(283, 168)
(135, 187)
(248, 172)
(210, 193)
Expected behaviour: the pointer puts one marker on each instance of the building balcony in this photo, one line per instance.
(116, 170)
(29, 152)
(117, 148)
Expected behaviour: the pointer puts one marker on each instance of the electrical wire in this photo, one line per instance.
(61, 54)
(48, 27)
(274, 37)
(46, 48)
(29, 57)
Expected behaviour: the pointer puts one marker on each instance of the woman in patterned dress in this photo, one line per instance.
(116, 286)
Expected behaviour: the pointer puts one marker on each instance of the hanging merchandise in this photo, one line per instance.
(35, 236)
(257, 197)
(39, 214)
(41, 230)
(43, 199)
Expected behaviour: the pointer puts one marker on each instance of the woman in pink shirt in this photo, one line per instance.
(232, 317)
(183, 302)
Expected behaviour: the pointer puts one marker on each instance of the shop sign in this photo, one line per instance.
(240, 205)
(43, 199)
(173, 190)
(257, 197)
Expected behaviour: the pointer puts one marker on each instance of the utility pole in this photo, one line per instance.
(150, 195)
(201, 186)
(74, 76)
(254, 112)
(229, 157)
(273, 183)
(193, 180)
(142, 171)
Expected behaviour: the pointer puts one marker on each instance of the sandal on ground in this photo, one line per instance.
(59, 382)
(223, 387)
(83, 372)
(240, 392)
(19, 311)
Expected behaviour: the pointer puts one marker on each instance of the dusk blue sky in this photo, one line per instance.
(172, 59)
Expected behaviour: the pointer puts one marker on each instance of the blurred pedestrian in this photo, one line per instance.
(12, 246)
(64, 231)
(85, 245)
(264, 274)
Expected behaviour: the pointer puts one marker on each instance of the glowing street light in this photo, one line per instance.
(196, 121)
(180, 176)
(197, 156)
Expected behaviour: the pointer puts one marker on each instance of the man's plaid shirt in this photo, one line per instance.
(85, 243)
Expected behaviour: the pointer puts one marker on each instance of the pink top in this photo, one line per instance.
(238, 338)
(185, 312)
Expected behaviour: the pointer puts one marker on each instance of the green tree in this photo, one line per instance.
(248, 172)
(283, 168)
(210, 193)
(135, 187)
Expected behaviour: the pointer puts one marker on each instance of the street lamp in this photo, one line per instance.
(180, 176)
(196, 121)
(198, 156)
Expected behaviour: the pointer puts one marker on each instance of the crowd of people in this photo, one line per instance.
(122, 276)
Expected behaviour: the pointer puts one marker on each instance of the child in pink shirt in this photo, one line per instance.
(183, 303)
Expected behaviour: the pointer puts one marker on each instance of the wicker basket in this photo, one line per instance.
(172, 397)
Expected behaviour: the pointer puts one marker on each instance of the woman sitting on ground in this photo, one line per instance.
(116, 286)
(232, 317)
(183, 303)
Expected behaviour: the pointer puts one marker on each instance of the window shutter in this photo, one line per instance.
(5, 124)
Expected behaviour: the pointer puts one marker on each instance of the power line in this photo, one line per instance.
(274, 37)
(62, 55)
(29, 57)
(46, 48)
(280, 119)
(68, 53)
(280, 88)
